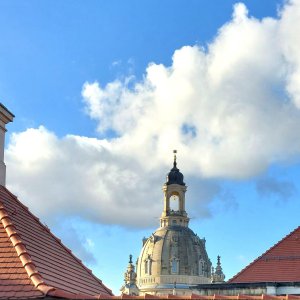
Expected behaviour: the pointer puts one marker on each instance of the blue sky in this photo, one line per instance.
(58, 45)
(103, 91)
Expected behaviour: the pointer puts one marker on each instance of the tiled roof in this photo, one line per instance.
(34, 263)
(281, 263)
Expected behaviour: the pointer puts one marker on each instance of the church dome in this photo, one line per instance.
(173, 254)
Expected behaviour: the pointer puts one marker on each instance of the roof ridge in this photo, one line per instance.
(24, 256)
(271, 248)
(58, 240)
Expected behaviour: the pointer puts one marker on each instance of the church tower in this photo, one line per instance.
(173, 258)
(174, 199)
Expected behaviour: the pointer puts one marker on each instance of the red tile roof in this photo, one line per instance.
(34, 263)
(281, 263)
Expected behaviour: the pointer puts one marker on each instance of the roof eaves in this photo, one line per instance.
(23, 255)
(57, 293)
(59, 241)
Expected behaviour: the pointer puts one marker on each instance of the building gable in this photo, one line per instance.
(34, 261)
(281, 263)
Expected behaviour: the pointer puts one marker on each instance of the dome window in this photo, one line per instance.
(148, 265)
(174, 265)
(201, 267)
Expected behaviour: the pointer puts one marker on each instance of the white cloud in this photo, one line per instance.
(116, 63)
(84, 176)
(239, 98)
(290, 45)
(231, 109)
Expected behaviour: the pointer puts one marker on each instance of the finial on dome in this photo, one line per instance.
(175, 163)
(130, 258)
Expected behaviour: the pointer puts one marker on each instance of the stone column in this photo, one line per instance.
(5, 117)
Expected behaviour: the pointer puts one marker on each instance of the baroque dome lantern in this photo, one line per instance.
(174, 176)
(173, 258)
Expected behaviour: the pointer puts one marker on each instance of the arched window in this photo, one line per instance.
(148, 265)
(205, 269)
(201, 267)
(174, 265)
(174, 203)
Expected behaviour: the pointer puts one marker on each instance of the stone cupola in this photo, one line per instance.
(174, 198)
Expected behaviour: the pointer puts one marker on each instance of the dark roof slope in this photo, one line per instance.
(281, 263)
(34, 263)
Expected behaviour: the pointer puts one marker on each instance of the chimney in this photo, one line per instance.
(5, 117)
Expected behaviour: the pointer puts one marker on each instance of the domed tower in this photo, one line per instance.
(173, 258)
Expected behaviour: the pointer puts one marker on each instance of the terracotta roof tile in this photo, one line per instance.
(281, 263)
(34, 263)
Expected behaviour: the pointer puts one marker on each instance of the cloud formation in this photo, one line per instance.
(83, 176)
(231, 108)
